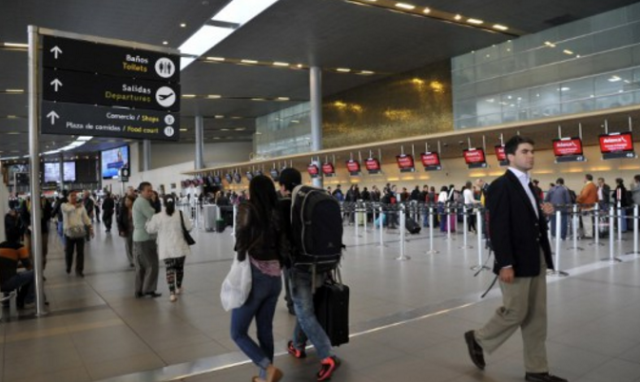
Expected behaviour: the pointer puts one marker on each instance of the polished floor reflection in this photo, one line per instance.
(407, 318)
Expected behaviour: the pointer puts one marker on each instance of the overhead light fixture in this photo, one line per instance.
(183, 25)
(13, 133)
(614, 79)
(202, 41)
(565, 88)
(224, 129)
(15, 45)
(214, 96)
(165, 43)
(241, 11)
(299, 65)
(219, 116)
(366, 72)
(257, 99)
(343, 70)
(85, 138)
(457, 17)
(406, 6)
(183, 130)
(12, 117)
(475, 21)
(236, 117)
(426, 10)
(280, 63)
(567, 51)
(500, 27)
(15, 91)
(550, 44)
(216, 137)
(220, 59)
(249, 61)
(282, 98)
(259, 133)
(188, 96)
(239, 128)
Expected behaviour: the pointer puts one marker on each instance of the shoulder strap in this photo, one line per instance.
(182, 221)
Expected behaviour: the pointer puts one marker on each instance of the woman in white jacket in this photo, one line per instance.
(172, 248)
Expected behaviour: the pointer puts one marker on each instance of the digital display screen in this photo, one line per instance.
(430, 161)
(353, 166)
(237, 177)
(229, 178)
(372, 165)
(52, 172)
(113, 160)
(618, 142)
(405, 162)
(275, 174)
(217, 180)
(249, 176)
(475, 158)
(328, 169)
(567, 147)
(500, 154)
(313, 170)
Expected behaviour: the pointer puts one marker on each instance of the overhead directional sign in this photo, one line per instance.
(95, 89)
(68, 54)
(75, 119)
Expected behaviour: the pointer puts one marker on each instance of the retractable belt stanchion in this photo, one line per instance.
(635, 231)
(464, 228)
(596, 236)
(402, 256)
(558, 270)
(235, 212)
(611, 257)
(619, 221)
(575, 224)
(431, 251)
(366, 217)
(381, 227)
(356, 214)
(448, 222)
(479, 228)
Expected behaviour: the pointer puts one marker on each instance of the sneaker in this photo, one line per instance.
(296, 352)
(327, 367)
(180, 290)
(173, 297)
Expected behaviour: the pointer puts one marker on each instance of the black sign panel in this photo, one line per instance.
(95, 89)
(73, 119)
(62, 53)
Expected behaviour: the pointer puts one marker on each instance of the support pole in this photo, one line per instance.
(635, 231)
(403, 256)
(479, 227)
(574, 227)
(146, 155)
(34, 151)
(431, 251)
(464, 228)
(315, 100)
(559, 271)
(235, 212)
(611, 257)
(382, 227)
(619, 221)
(199, 133)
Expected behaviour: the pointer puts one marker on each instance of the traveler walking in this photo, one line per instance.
(108, 208)
(77, 226)
(302, 285)
(145, 249)
(172, 247)
(125, 225)
(259, 240)
(519, 236)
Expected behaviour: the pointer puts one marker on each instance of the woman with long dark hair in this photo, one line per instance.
(259, 240)
(172, 247)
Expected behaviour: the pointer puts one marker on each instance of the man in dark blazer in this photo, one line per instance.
(518, 231)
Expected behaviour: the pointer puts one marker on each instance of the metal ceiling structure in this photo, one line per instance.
(325, 33)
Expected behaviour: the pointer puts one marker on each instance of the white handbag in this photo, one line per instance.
(237, 285)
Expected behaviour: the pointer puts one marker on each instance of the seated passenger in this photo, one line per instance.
(12, 252)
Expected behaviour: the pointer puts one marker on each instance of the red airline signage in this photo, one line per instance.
(372, 164)
(405, 162)
(353, 166)
(313, 170)
(474, 156)
(616, 142)
(430, 159)
(328, 169)
(567, 146)
(500, 154)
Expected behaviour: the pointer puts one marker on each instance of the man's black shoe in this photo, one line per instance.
(475, 351)
(139, 295)
(542, 377)
(80, 274)
(153, 294)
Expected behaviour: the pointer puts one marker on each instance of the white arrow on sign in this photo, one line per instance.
(53, 115)
(55, 84)
(56, 51)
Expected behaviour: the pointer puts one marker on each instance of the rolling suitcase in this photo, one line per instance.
(220, 225)
(412, 226)
(331, 303)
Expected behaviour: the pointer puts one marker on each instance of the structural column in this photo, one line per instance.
(315, 86)
(146, 155)
(199, 132)
(61, 171)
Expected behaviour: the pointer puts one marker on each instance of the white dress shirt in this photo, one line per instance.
(524, 179)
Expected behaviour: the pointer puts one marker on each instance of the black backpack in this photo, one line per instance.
(316, 224)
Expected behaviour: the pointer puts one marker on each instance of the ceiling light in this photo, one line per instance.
(259, 133)
(239, 128)
(165, 43)
(614, 79)
(202, 41)
(550, 44)
(282, 98)
(13, 133)
(215, 58)
(15, 45)
(12, 116)
(219, 116)
(85, 138)
(257, 99)
(500, 27)
(188, 96)
(295, 121)
(241, 11)
(426, 10)
(475, 21)
(280, 63)
(183, 129)
(457, 17)
(343, 70)
(366, 72)
(183, 25)
(565, 88)
(567, 51)
(15, 91)
(216, 137)
(299, 65)
(405, 6)
(236, 117)
(224, 129)
(214, 96)
(249, 61)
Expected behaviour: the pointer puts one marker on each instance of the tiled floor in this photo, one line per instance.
(408, 318)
